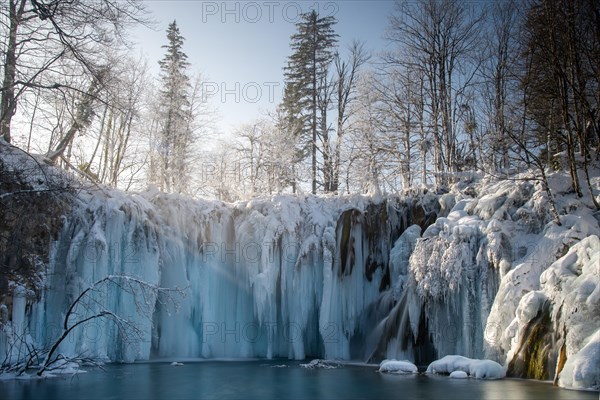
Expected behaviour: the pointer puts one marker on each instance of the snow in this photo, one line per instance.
(479, 369)
(398, 367)
(582, 369)
(320, 364)
(459, 375)
(529, 306)
(525, 277)
(34, 169)
(572, 283)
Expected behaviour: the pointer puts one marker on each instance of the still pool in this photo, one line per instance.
(270, 380)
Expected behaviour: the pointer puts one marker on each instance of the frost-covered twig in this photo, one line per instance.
(128, 284)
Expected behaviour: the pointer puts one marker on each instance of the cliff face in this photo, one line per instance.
(33, 198)
(416, 277)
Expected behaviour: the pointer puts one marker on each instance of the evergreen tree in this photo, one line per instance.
(312, 46)
(175, 137)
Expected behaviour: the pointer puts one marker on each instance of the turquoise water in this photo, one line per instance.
(263, 380)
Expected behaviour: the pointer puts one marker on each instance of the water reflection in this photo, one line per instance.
(260, 380)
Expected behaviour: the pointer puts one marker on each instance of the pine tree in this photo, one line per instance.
(312, 47)
(175, 137)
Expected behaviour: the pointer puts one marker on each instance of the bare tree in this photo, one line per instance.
(250, 147)
(499, 73)
(369, 149)
(561, 51)
(88, 306)
(43, 33)
(440, 37)
(262, 163)
(398, 91)
(347, 73)
(81, 119)
(118, 142)
(325, 132)
(528, 154)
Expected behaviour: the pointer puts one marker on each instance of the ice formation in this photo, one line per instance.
(282, 277)
(412, 278)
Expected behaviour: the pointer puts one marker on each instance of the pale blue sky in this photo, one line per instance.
(241, 47)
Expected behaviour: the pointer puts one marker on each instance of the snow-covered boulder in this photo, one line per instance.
(398, 367)
(479, 369)
(459, 375)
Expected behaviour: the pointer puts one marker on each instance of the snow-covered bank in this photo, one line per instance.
(471, 272)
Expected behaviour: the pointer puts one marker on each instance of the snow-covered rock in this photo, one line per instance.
(479, 369)
(570, 292)
(398, 367)
(582, 369)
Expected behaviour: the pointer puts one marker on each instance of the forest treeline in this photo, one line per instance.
(462, 88)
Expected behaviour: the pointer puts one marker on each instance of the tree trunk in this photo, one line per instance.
(570, 137)
(340, 129)
(82, 119)
(8, 104)
(314, 123)
(89, 164)
(35, 108)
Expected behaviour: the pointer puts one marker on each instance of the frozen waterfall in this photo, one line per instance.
(408, 278)
(286, 277)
